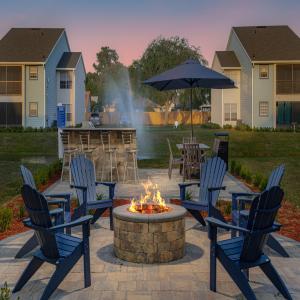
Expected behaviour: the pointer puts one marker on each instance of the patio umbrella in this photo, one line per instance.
(190, 74)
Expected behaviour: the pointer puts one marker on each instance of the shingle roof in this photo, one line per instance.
(269, 43)
(228, 59)
(28, 44)
(69, 60)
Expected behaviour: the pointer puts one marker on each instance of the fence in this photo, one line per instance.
(159, 118)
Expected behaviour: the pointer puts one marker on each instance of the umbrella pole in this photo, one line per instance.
(191, 100)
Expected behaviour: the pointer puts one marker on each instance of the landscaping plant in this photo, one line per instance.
(6, 215)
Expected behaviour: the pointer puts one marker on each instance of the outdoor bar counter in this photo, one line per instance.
(116, 142)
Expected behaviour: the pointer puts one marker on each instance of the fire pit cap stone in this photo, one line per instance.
(175, 213)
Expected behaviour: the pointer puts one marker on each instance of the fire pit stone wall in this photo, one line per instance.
(143, 238)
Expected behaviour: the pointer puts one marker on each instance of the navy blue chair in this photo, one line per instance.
(60, 213)
(84, 181)
(240, 214)
(56, 248)
(239, 254)
(212, 175)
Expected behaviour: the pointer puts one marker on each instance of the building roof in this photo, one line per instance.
(69, 60)
(28, 44)
(228, 59)
(269, 43)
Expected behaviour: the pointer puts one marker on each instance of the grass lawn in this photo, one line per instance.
(31, 148)
(258, 151)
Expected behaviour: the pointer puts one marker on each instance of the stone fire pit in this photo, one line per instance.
(149, 238)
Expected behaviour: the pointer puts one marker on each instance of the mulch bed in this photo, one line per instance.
(288, 216)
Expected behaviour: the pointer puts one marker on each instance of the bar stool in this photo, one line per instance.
(69, 152)
(110, 156)
(130, 152)
(86, 148)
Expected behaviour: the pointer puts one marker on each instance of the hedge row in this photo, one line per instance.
(27, 129)
(257, 179)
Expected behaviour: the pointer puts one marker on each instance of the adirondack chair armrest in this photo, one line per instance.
(217, 223)
(57, 201)
(77, 222)
(183, 186)
(81, 187)
(109, 184)
(218, 188)
(238, 203)
(65, 196)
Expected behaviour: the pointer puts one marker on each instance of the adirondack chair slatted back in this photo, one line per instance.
(191, 153)
(275, 177)
(27, 177)
(262, 215)
(189, 139)
(127, 138)
(83, 174)
(84, 140)
(212, 175)
(105, 139)
(37, 208)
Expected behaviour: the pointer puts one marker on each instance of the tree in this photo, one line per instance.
(161, 55)
(107, 68)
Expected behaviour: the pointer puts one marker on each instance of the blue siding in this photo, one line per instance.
(79, 92)
(50, 78)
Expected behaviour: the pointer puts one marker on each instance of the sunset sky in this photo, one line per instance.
(129, 25)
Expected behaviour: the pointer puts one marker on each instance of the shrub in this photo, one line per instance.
(243, 173)
(6, 215)
(5, 292)
(227, 209)
(257, 178)
(237, 170)
(21, 212)
(232, 166)
(263, 183)
(211, 126)
(227, 126)
(188, 195)
(100, 196)
(243, 127)
(248, 177)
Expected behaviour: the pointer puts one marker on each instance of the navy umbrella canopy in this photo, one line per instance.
(190, 74)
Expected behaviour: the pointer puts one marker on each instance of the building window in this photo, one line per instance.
(10, 80)
(68, 112)
(33, 73)
(230, 112)
(65, 80)
(263, 109)
(33, 109)
(288, 79)
(263, 71)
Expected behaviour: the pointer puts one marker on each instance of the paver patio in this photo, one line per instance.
(112, 278)
(187, 278)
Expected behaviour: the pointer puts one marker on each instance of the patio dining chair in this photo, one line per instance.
(210, 185)
(240, 214)
(61, 250)
(60, 213)
(238, 255)
(191, 160)
(173, 161)
(84, 182)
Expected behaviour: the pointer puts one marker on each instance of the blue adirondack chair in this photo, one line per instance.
(212, 175)
(240, 215)
(60, 214)
(84, 181)
(239, 254)
(56, 248)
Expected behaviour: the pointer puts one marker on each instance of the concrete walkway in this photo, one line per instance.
(169, 188)
(112, 278)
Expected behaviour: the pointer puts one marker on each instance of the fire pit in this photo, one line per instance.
(149, 230)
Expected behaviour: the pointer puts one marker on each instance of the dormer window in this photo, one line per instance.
(263, 71)
(65, 80)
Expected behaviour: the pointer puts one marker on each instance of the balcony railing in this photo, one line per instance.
(287, 87)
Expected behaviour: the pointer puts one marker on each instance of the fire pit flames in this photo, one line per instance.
(149, 203)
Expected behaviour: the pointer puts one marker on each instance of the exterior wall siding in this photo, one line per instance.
(34, 92)
(216, 98)
(232, 95)
(246, 78)
(51, 80)
(79, 92)
(264, 90)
